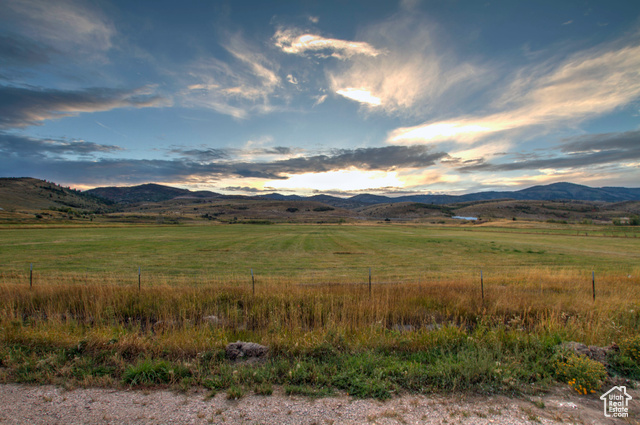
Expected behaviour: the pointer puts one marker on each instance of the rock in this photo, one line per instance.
(403, 328)
(162, 326)
(212, 320)
(246, 351)
(593, 352)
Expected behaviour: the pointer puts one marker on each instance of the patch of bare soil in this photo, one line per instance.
(21, 404)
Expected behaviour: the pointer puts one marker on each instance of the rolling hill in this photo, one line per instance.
(33, 194)
(26, 198)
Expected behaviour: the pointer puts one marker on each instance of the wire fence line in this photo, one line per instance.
(496, 276)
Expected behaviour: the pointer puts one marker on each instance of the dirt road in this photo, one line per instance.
(21, 404)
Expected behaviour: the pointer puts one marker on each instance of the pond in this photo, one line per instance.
(458, 217)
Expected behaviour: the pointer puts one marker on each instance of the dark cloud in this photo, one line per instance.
(34, 157)
(245, 189)
(386, 158)
(278, 150)
(24, 106)
(629, 140)
(211, 154)
(583, 151)
(202, 154)
(12, 146)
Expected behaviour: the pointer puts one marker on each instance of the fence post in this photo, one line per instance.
(139, 279)
(482, 285)
(369, 282)
(253, 283)
(593, 284)
(31, 276)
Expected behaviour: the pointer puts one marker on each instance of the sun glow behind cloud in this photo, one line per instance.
(344, 180)
(360, 95)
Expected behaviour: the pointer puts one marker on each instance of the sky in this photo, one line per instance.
(330, 96)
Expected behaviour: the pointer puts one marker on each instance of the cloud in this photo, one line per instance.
(579, 152)
(277, 150)
(386, 158)
(229, 154)
(16, 146)
(25, 106)
(414, 73)
(42, 158)
(235, 87)
(320, 99)
(629, 140)
(297, 42)
(360, 95)
(73, 28)
(587, 84)
(247, 189)
(202, 155)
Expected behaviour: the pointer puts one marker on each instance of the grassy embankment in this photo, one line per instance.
(424, 327)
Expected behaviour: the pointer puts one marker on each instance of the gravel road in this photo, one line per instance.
(22, 404)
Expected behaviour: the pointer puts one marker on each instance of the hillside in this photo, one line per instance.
(145, 193)
(29, 194)
(551, 192)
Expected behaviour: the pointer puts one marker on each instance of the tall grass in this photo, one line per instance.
(283, 310)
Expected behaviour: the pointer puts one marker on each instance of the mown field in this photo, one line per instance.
(423, 325)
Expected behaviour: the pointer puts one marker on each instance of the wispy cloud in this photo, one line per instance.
(412, 75)
(297, 42)
(25, 106)
(16, 146)
(74, 28)
(235, 87)
(587, 84)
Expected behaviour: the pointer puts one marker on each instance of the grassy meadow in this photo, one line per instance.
(423, 326)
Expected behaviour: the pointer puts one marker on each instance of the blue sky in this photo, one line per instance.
(340, 97)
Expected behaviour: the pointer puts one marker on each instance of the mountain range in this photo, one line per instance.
(552, 192)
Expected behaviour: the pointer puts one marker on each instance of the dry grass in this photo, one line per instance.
(173, 313)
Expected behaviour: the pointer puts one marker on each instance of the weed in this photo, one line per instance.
(235, 392)
(264, 388)
(150, 372)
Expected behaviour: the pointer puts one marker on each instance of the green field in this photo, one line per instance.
(425, 325)
(315, 253)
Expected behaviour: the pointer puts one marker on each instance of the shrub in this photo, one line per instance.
(630, 347)
(581, 373)
(148, 372)
(626, 362)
